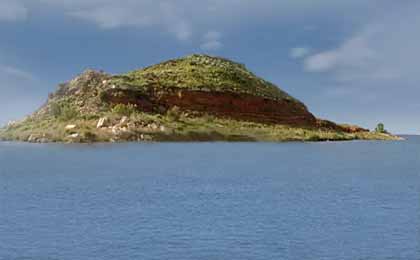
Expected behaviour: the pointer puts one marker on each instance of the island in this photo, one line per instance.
(194, 98)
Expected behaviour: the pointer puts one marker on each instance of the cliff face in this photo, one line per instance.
(244, 107)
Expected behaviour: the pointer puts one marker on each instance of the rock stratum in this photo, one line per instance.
(195, 98)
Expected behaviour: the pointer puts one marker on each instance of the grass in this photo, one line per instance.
(200, 72)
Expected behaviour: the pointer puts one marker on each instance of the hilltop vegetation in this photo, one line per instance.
(200, 72)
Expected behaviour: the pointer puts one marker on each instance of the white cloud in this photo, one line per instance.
(12, 11)
(211, 46)
(212, 41)
(385, 50)
(175, 22)
(112, 15)
(15, 73)
(322, 61)
(299, 52)
(354, 54)
(19, 97)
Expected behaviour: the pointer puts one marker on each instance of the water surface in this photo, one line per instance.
(259, 201)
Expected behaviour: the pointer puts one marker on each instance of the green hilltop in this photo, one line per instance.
(201, 72)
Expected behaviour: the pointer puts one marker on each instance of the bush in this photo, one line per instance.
(63, 111)
(103, 96)
(174, 113)
(124, 110)
(208, 118)
(88, 136)
(380, 128)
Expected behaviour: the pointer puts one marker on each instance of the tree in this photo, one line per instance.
(380, 128)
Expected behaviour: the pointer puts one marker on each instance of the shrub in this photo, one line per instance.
(124, 110)
(174, 113)
(88, 136)
(63, 111)
(380, 128)
(208, 118)
(55, 110)
(103, 96)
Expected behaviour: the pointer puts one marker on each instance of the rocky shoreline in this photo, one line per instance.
(144, 128)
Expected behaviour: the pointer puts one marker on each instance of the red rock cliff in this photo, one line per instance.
(224, 104)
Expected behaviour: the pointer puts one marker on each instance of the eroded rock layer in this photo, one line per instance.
(237, 106)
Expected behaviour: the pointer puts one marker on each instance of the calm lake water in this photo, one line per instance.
(345, 200)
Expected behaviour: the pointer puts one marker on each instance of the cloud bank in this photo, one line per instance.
(184, 19)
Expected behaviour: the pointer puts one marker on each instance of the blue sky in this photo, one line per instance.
(354, 61)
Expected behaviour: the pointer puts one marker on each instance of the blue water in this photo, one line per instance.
(350, 200)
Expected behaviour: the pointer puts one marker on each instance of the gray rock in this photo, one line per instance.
(124, 121)
(32, 138)
(153, 126)
(11, 123)
(70, 127)
(102, 122)
(75, 135)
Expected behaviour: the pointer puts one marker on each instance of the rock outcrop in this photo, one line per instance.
(244, 107)
(210, 85)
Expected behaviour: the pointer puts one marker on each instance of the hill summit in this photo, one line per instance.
(198, 97)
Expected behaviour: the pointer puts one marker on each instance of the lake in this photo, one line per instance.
(258, 201)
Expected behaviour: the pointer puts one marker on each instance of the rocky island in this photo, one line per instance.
(195, 98)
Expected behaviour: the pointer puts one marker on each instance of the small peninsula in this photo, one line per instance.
(194, 98)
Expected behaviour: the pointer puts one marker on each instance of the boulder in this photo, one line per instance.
(124, 121)
(153, 126)
(75, 135)
(11, 123)
(37, 138)
(115, 130)
(70, 127)
(131, 126)
(32, 139)
(102, 122)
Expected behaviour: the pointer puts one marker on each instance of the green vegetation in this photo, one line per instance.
(172, 126)
(200, 72)
(124, 110)
(63, 111)
(380, 128)
(174, 114)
